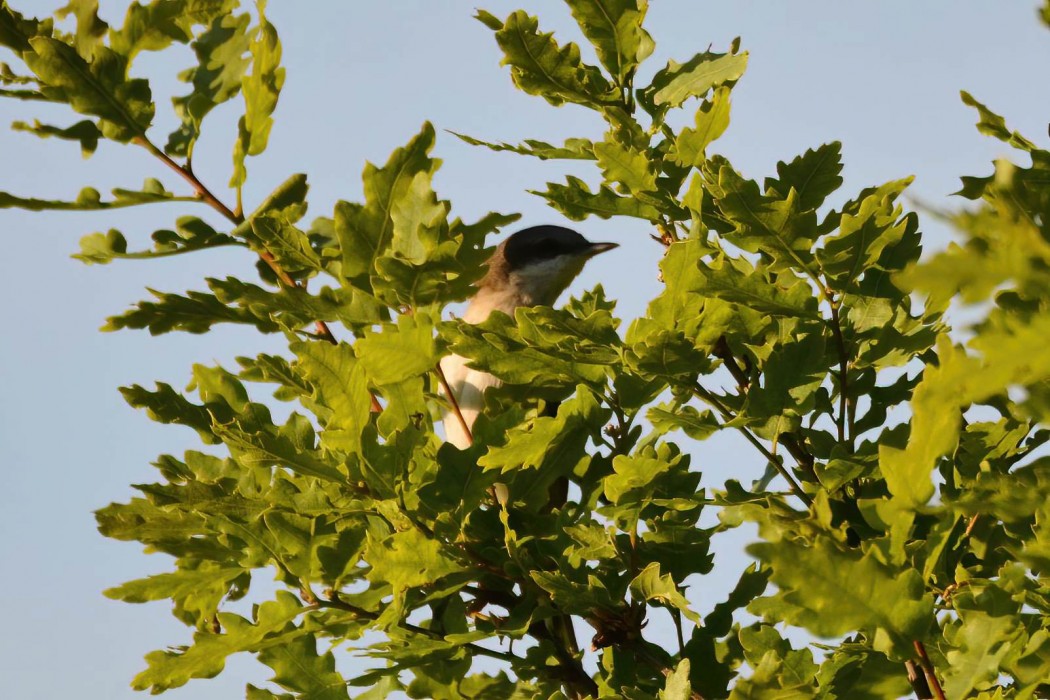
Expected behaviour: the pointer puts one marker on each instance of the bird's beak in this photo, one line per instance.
(600, 248)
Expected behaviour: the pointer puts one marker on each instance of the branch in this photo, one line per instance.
(206, 196)
(918, 681)
(455, 404)
(727, 415)
(845, 405)
(575, 678)
(723, 352)
(929, 671)
(336, 603)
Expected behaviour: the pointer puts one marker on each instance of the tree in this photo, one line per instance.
(917, 547)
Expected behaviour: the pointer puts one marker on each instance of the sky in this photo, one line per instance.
(883, 78)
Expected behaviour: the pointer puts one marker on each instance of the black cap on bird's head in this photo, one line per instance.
(536, 244)
(540, 262)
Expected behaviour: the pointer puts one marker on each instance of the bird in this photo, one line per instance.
(532, 267)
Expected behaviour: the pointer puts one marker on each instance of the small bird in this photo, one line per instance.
(531, 268)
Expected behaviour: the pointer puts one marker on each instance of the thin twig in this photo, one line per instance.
(676, 615)
(971, 525)
(918, 681)
(723, 352)
(338, 604)
(845, 437)
(929, 671)
(727, 415)
(455, 404)
(237, 218)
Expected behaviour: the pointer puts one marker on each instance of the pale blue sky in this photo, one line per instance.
(881, 77)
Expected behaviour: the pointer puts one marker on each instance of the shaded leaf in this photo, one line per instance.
(261, 89)
(813, 175)
(85, 131)
(101, 88)
(573, 149)
(540, 66)
(575, 200)
(215, 79)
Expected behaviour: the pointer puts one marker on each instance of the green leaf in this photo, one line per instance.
(261, 88)
(417, 218)
(636, 477)
(988, 629)
(677, 82)
(543, 347)
(813, 175)
(266, 447)
(165, 405)
(936, 417)
(680, 273)
(575, 200)
(577, 598)
(735, 280)
(753, 582)
(16, 30)
(89, 199)
(791, 377)
(177, 584)
(272, 368)
(991, 124)
(190, 234)
(779, 670)
(831, 592)
(678, 686)
(712, 119)
(698, 425)
(365, 232)
(614, 28)
(408, 560)
(90, 27)
(287, 201)
(775, 226)
(30, 95)
(627, 166)
(539, 66)
(9, 77)
(216, 79)
(155, 25)
(196, 312)
(855, 672)
(207, 656)
(85, 131)
(196, 592)
(573, 149)
(289, 246)
(651, 586)
(398, 353)
(866, 229)
(298, 667)
(340, 389)
(549, 444)
(101, 88)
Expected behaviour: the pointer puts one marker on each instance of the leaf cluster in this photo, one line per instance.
(787, 317)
